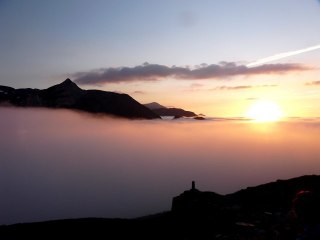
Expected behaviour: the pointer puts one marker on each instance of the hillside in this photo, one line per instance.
(261, 212)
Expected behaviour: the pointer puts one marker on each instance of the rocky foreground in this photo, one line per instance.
(262, 212)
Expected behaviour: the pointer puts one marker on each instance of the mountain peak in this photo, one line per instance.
(67, 81)
(66, 85)
(153, 105)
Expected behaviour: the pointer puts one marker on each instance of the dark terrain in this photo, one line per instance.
(68, 95)
(164, 111)
(262, 212)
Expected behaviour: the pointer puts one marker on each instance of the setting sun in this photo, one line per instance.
(265, 111)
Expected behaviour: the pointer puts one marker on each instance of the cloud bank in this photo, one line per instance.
(59, 164)
(153, 72)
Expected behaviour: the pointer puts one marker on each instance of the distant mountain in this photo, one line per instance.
(153, 105)
(164, 111)
(174, 112)
(68, 95)
(199, 118)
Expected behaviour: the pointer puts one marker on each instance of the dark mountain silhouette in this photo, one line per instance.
(199, 118)
(153, 105)
(174, 112)
(164, 111)
(261, 212)
(194, 201)
(68, 95)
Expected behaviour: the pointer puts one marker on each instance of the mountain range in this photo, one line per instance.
(68, 95)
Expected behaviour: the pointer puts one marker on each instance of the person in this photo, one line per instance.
(306, 210)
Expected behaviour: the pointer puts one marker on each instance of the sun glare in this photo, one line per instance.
(264, 111)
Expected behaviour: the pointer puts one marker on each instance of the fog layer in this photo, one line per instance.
(63, 164)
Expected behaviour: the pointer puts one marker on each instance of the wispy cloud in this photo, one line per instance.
(154, 72)
(194, 87)
(241, 87)
(282, 55)
(232, 87)
(313, 83)
(139, 92)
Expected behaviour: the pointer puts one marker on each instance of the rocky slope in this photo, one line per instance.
(261, 212)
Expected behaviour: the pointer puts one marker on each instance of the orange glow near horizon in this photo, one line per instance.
(265, 111)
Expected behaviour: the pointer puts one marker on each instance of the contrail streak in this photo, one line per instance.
(282, 55)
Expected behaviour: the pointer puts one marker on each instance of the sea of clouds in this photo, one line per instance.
(64, 164)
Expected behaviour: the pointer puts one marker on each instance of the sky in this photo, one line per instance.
(215, 57)
(197, 55)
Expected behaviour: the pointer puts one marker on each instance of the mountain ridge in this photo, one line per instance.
(259, 212)
(68, 95)
(153, 105)
(169, 111)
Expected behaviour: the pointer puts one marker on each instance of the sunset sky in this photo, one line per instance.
(189, 54)
(227, 59)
